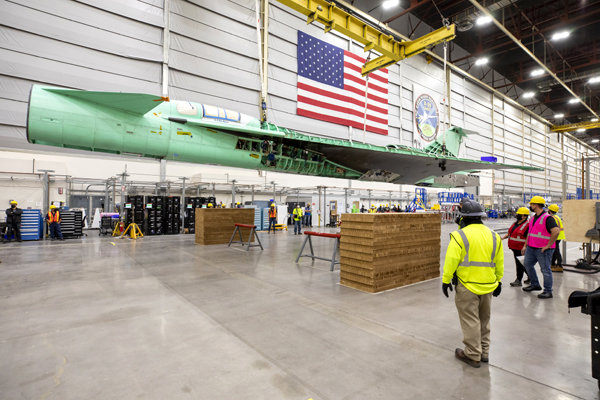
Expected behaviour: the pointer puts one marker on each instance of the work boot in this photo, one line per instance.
(531, 288)
(460, 354)
(485, 359)
(527, 281)
(516, 283)
(545, 295)
(556, 268)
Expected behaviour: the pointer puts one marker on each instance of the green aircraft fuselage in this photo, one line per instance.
(151, 126)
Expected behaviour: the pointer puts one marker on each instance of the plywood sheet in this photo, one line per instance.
(384, 251)
(578, 217)
(216, 225)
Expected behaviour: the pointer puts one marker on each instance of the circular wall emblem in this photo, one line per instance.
(427, 117)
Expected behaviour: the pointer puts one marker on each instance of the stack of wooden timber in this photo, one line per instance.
(384, 251)
(216, 225)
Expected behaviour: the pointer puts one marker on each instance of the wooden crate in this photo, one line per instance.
(384, 251)
(216, 225)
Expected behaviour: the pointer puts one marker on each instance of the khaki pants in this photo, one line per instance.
(474, 312)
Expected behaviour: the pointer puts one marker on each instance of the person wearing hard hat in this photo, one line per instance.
(475, 262)
(238, 205)
(13, 221)
(298, 220)
(539, 248)
(53, 219)
(307, 215)
(372, 210)
(517, 236)
(209, 205)
(556, 265)
(272, 217)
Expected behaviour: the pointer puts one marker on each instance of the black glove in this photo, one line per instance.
(498, 290)
(445, 287)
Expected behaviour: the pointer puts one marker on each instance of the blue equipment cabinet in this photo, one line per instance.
(31, 225)
(265, 219)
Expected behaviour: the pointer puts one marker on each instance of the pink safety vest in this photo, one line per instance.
(538, 235)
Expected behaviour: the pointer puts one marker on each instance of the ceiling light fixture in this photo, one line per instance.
(594, 120)
(483, 20)
(390, 3)
(595, 140)
(481, 61)
(559, 115)
(581, 130)
(594, 79)
(573, 101)
(561, 35)
(528, 95)
(537, 72)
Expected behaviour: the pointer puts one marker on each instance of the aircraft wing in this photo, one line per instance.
(137, 103)
(411, 166)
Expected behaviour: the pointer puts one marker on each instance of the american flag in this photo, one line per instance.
(331, 88)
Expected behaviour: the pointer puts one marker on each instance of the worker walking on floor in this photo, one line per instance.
(298, 220)
(53, 219)
(13, 221)
(272, 217)
(556, 265)
(541, 242)
(475, 257)
(517, 237)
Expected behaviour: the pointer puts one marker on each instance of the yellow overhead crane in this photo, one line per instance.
(334, 18)
(574, 127)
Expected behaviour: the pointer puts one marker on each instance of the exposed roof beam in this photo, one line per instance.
(526, 50)
(467, 75)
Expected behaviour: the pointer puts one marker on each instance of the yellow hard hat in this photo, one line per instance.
(52, 206)
(273, 205)
(537, 200)
(523, 211)
(237, 202)
(13, 202)
(553, 208)
(210, 205)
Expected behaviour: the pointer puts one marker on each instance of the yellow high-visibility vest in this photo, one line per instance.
(475, 253)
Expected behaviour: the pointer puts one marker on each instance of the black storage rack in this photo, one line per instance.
(71, 224)
(155, 209)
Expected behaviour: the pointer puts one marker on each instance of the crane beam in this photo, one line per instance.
(574, 127)
(391, 50)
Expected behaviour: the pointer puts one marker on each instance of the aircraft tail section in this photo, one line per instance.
(137, 103)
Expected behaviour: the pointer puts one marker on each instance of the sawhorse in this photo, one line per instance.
(252, 232)
(308, 234)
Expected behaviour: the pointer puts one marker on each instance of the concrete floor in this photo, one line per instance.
(163, 318)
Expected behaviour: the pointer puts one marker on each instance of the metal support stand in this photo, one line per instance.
(252, 232)
(233, 193)
(312, 252)
(46, 198)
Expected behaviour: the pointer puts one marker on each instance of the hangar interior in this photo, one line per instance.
(164, 317)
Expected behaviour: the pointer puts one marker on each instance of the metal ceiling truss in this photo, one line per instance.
(371, 36)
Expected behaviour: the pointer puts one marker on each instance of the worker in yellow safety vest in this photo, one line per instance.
(557, 257)
(298, 220)
(475, 258)
(372, 210)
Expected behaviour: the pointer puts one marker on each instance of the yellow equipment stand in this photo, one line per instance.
(281, 227)
(134, 231)
(117, 230)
